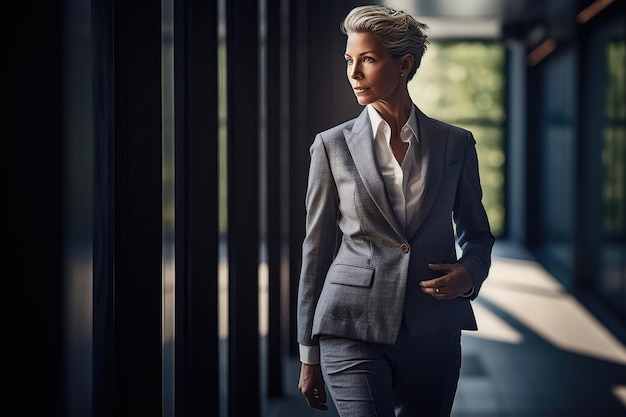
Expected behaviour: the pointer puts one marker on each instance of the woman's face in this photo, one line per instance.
(372, 71)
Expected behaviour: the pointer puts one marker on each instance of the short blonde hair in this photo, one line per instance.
(399, 32)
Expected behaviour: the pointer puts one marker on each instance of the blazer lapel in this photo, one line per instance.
(433, 145)
(360, 141)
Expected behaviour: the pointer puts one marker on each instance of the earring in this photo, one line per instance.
(401, 75)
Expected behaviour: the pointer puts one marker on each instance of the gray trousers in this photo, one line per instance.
(416, 377)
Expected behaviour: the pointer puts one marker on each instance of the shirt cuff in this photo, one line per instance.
(469, 293)
(310, 354)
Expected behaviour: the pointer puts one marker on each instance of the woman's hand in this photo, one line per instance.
(456, 281)
(312, 386)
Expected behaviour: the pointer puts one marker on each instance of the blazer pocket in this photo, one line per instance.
(357, 276)
(346, 292)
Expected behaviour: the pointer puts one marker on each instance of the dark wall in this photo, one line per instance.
(32, 207)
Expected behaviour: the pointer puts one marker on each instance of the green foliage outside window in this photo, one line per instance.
(614, 142)
(462, 83)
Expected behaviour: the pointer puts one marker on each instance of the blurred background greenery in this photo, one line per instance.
(462, 83)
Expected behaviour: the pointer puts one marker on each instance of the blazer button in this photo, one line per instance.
(404, 248)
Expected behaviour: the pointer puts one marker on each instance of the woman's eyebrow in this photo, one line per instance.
(361, 53)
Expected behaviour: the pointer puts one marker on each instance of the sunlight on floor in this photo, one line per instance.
(620, 393)
(527, 292)
(491, 327)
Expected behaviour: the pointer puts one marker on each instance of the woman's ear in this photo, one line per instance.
(406, 63)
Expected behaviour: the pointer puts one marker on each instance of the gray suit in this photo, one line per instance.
(360, 270)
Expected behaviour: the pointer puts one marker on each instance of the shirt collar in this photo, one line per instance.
(376, 120)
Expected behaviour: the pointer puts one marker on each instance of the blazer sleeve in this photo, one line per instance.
(472, 226)
(321, 238)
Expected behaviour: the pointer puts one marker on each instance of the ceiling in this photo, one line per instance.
(484, 9)
(478, 9)
(454, 18)
(488, 18)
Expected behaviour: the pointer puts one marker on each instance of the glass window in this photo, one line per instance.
(462, 83)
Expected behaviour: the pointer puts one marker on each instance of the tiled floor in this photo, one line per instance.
(538, 353)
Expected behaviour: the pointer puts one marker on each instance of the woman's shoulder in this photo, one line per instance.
(335, 136)
(453, 131)
(449, 126)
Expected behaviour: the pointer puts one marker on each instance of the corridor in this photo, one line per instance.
(156, 172)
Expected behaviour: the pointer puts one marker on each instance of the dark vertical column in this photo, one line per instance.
(32, 209)
(196, 148)
(78, 208)
(137, 153)
(243, 207)
(534, 123)
(274, 196)
(300, 140)
(515, 142)
(127, 302)
(103, 367)
(591, 88)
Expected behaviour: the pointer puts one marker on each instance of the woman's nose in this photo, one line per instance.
(355, 72)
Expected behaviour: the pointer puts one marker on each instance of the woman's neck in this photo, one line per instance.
(395, 113)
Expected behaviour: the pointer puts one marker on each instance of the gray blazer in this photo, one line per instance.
(360, 270)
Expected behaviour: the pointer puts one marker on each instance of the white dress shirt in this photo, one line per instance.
(403, 183)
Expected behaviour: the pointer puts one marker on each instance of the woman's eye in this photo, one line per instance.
(368, 59)
(349, 61)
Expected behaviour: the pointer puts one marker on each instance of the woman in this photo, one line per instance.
(382, 297)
